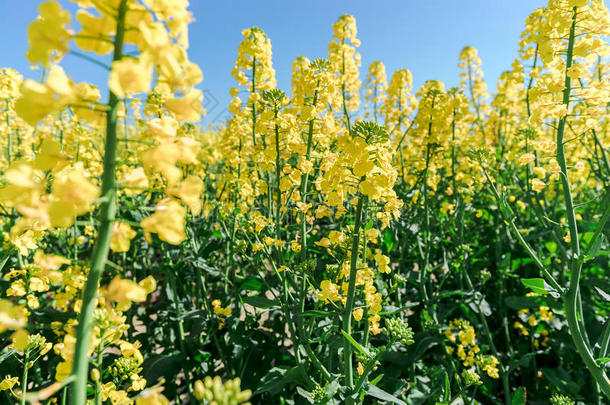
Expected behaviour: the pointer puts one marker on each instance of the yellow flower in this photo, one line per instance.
(168, 221)
(11, 316)
(532, 321)
(38, 100)
(189, 192)
(93, 30)
(526, 158)
(358, 312)
(324, 242)
(382, 263)
(187, 108)
(152, 398)
(72, 195)
(546, 314)
(537, 185)
(372, 235)
(47, 35)
(329, 291)
(49, 156)
(8, 383)
(149, 284)
(122, 234)
(124, 290)
(336, 237)
(137, 382)
(130, 75)
(20, 340)
(134, 180)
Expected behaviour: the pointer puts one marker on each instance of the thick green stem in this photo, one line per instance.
(106, 218)
(573, 312)
(349, 303)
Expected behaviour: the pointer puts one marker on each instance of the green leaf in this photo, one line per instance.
(538, 285)
(391, 310)
(305, 394)
(388, 241)
(4, 260)
(356, 344)
(253, 284)
(447, 394)
(519, 396)
(278, 377)
(603, 294)
(7, 355)
(317, 313)
(260, 301)
(162, 366)
(381, 394)
(522, 302)
(602, 361)
(561, 379)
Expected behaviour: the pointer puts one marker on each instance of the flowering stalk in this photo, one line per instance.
(349, 303)
(102, 243)
(573, 309)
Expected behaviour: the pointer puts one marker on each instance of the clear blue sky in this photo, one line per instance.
(424, 36)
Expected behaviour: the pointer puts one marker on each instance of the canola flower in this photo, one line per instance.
(302, 193)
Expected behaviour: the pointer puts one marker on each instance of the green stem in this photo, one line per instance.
(604, 348)
(24, 377)
(100, 250)
(573, 313)
(510, 222)
(98, 383)
(347, 313)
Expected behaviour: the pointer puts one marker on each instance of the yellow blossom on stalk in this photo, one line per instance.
(360, 368)
(94, 30)
(526, 158)
(189, 192)
(345, 60)
(152, 398)
(24, 185)
(221, 312)
(188, 107)
(329, 291)
(120, 290)
(130, 75)
(20, 340)
(72, 195)
(537, 185)
(122, 234)
(376, 84)
(382, 263)
(48, 35)
(399, 103)
(134, 180)
(49, 156)
(11, 316)
(8, 382)
(149, 284)
(168, 221)
(40, 99)
(489, 365)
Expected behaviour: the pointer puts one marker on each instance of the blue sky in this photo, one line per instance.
(423, 36)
